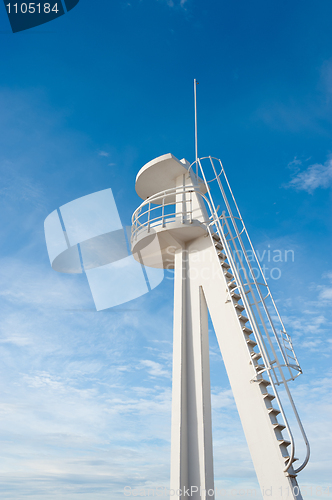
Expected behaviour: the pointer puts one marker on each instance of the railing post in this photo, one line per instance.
(183, 202)
(149, 209)
(191, 207)
(163, 213)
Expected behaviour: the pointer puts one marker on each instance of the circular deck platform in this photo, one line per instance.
(160, 174)
(157, 247)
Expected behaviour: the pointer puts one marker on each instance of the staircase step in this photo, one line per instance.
(235, 296)
(273, 411)
(259, 368)
(231, 285)
(218, 245)
(242, 318)
(252, 343)
(225, 265)
(284, 442)
(256, 355)
(228, 275)
(263, 381)
(221, 255)
(239, 307)
(279, 427)
(215, 236)
(246, 330)
(269, 396)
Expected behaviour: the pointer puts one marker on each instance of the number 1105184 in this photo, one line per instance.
(32, 8)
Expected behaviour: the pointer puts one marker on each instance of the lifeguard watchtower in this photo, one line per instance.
(192, 215)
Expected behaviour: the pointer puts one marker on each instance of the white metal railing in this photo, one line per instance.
(163, 208)
(278, 363)
(251, 281)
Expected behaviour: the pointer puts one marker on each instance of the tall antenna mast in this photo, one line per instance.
(195, 99)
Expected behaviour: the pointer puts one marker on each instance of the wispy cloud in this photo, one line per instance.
(16, 186)
(290, 115)
(81, 415)
(177, 3)
(325, 291)
(155, 369)
(26, 284)
(70, 382)
(315, 176)
(222, 399)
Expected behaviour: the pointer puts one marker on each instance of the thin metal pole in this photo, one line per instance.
(195, 99)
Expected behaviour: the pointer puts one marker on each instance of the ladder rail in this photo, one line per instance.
(249, 310)
(252, 274)
(254, 253)
(244, 298)
(255, 328)
(256, 303)
(239, 217)
(250, 269)
(239, 281)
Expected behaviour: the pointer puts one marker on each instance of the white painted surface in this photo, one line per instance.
(206, 272)
(200, 283)
(158, 175)
(191, 448)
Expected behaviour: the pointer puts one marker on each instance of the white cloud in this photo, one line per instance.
(222, 399)
(315, 176)
(312, 345)
(294, 163)
(103, 153)
(78, 419)
(26, 284)
(328, 275)
(300, 324)
(16, 340)
(325, 293)
(177, 3)
(155, 369)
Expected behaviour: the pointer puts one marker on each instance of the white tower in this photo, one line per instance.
(216, 269)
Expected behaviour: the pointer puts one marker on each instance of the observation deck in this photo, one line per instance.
(172, 213)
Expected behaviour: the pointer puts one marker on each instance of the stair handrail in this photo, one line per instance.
(217, 177)
(249, 308)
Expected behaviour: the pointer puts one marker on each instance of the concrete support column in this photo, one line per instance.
(191, 451)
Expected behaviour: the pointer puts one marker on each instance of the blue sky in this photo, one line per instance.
(85, 101)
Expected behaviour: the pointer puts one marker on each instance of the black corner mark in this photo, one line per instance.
(24, 15)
